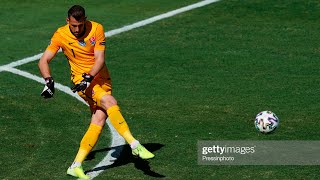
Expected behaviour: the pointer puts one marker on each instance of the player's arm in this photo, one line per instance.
(99, 62)
(99, 51)
(43, 65)
(88, 77)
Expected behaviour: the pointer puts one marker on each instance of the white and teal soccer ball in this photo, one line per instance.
(266, 122)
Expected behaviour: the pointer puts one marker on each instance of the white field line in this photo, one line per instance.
(117, 140)
(21, 62)
(160, 17)
(58, 86)
(123, 29)
(116, 148)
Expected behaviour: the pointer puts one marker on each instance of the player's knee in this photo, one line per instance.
(108, 101)
(99, 117)
(98, 121)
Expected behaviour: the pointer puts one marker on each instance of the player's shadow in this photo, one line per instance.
(126, 157)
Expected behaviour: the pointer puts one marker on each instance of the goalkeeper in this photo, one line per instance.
(83, 43)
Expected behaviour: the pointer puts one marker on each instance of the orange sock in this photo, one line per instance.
(119, 123)
(88, 141)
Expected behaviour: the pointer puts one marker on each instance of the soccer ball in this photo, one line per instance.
(266, 122)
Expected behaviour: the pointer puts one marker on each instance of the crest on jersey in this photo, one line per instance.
(82, 43)
(92, 40)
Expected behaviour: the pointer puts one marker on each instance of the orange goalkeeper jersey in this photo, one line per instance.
(79, 51)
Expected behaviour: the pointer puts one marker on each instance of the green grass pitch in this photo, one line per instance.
(201, 75)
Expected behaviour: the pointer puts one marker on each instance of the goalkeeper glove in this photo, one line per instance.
(84, 84)
(48, 89)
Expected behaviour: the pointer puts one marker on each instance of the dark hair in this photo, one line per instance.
(77, 12)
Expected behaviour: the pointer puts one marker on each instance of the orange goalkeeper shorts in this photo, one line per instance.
(99, 87)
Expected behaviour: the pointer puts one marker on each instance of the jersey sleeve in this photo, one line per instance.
(54, 44)
(100, 38)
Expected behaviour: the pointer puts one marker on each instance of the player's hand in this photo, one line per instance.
(48, 89)
(84, 84)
